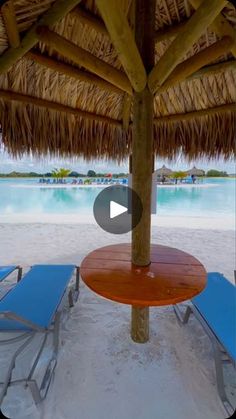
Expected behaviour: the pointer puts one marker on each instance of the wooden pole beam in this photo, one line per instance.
(169, 32)
(127, 102)
(94, 22)
(88, 18)
(85, 59)
(11, 96)
(9, 19)
(193, 29)
(142, 157)
(231, 107)
(71, 71)
(124, 42)
(220, 26)
(194, 63)
(213, 69)
(56, 12)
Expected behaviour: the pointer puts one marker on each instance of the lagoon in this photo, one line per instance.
(27, 197)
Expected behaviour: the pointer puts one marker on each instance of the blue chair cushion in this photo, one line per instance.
(5, 271)
(37, 296)
(217, 305)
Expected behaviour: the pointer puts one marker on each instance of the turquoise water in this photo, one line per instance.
(212, 197)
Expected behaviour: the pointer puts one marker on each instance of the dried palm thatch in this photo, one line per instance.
(195, 172)
(80, 114)
(163, 171)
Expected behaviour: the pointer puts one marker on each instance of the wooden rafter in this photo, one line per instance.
(220, 26)
(9, 18)
(42, 103)
(169, 32)
(124, 42)
(88, 18)
(56, 12)
(93, 21)
(213, 69)
(196, 114)
(197, 61)
(71, 71)
(84, 58)
(193, 29)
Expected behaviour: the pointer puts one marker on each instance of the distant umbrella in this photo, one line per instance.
(163, 171)
(195, 172)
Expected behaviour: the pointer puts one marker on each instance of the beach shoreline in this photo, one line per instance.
(174, 372)
(191, 222)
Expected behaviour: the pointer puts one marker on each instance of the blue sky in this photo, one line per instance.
(27, 164)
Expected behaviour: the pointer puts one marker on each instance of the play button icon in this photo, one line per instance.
(117, 209)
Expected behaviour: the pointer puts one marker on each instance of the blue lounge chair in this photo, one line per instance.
(7, 270)
(215, 308)
(34, 306)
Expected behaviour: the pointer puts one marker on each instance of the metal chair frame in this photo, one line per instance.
(221, 356)
(39, 392)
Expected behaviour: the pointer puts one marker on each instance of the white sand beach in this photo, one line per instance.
(101, 373)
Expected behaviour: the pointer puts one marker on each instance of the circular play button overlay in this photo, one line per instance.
(117, 209)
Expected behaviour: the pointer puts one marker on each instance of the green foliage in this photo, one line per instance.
(87, 182)
(216, 173)
(20, 174)
(60, 173)
(179, 175)
(91, 173)
(76, 174)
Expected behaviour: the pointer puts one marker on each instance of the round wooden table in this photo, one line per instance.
(172, 276)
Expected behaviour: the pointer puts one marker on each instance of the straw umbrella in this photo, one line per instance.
(195, 172)
(102, 79)
(164, 171)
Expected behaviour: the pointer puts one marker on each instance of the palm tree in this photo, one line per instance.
(179, 175)
(60, 173)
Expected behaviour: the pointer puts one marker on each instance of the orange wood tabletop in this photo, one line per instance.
(172, 276)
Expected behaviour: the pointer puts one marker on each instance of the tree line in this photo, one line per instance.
(62, 173)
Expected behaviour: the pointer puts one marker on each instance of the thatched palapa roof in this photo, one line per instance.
(163, 171)
(195, 172)
(64, 87)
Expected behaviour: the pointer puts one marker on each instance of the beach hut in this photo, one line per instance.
(163, 171)
(195, 172)
(107, 78)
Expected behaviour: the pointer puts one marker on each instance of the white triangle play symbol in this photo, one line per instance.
(116, 209)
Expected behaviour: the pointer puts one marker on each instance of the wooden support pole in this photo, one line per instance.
(84, 58)
(231, 107)
(9, 18)
(127, 102)
(124, 42)
(71, 71)
(194, 63)
(56, 12)
(142, 158)
(220, 26)
(42, 103)
(193, 29)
